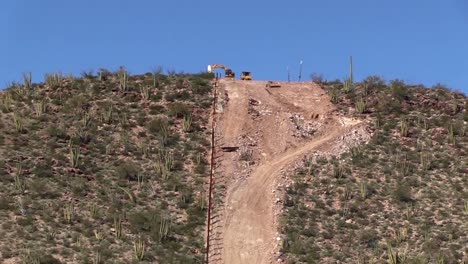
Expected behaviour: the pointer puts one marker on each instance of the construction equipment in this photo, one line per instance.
(228, 73)
(246, 76)
(271, 84)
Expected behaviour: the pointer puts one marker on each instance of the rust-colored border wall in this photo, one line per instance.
(212, 166)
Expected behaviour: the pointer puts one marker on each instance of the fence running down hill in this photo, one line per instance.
(212, 167)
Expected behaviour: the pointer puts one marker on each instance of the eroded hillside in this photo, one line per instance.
(270, 128)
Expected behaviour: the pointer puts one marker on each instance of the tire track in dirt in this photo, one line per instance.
(250, 228)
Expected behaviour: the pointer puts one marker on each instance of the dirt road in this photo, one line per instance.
(272, 128)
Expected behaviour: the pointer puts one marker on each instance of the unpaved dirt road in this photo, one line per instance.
(277, 126)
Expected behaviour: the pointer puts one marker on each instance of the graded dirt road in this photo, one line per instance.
(273, 127)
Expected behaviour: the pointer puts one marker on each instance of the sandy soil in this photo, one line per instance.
(277, 126)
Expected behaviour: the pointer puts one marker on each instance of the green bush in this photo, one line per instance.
(374, 82)
(205, 75)
(398, 89)
(200, 87)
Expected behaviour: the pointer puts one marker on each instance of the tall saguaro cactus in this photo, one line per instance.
(351, 68)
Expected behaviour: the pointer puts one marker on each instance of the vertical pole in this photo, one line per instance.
(300, 70)
(289, 75)
(211, 183)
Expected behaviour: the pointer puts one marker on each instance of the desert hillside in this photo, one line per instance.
(110, 167)
(400, 198)
(104, 168)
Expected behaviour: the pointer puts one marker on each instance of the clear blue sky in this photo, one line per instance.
(418, 41)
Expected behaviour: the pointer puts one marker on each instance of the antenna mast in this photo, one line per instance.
(300, 70)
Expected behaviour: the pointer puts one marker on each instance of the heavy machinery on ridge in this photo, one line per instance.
(228, 73)
(247, 76)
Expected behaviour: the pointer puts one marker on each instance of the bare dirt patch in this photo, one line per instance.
(272, 128)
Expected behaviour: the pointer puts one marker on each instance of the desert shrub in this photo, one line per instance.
(141, 119)
(57, 132)
(104, 74)
(127, 171)
(195, 80)
(205, 75)
(374, 82)
(157, 109)
(204, 104)
(201, 89)
(43, 169)
(183, 96)
(179, 110)
(79, 187)
(158, 126)
(6, 202)
(2, 169)
(368, 237)
(170, 97)
(245, 155)
(389, 106)
(156, 97)
(49, 259)
(200, 169)
(317, 78)
(179, 84)
(398, 89)
(26, 221)
(40, 188)
(403, 192)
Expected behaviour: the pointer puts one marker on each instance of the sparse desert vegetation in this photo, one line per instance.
(399, 199)
(104, 168)
(111, 167)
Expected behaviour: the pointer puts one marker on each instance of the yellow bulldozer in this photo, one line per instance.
(228, 73)
(246, 76)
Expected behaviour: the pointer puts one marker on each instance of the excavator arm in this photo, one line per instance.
(212, 67)
(228, 73)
